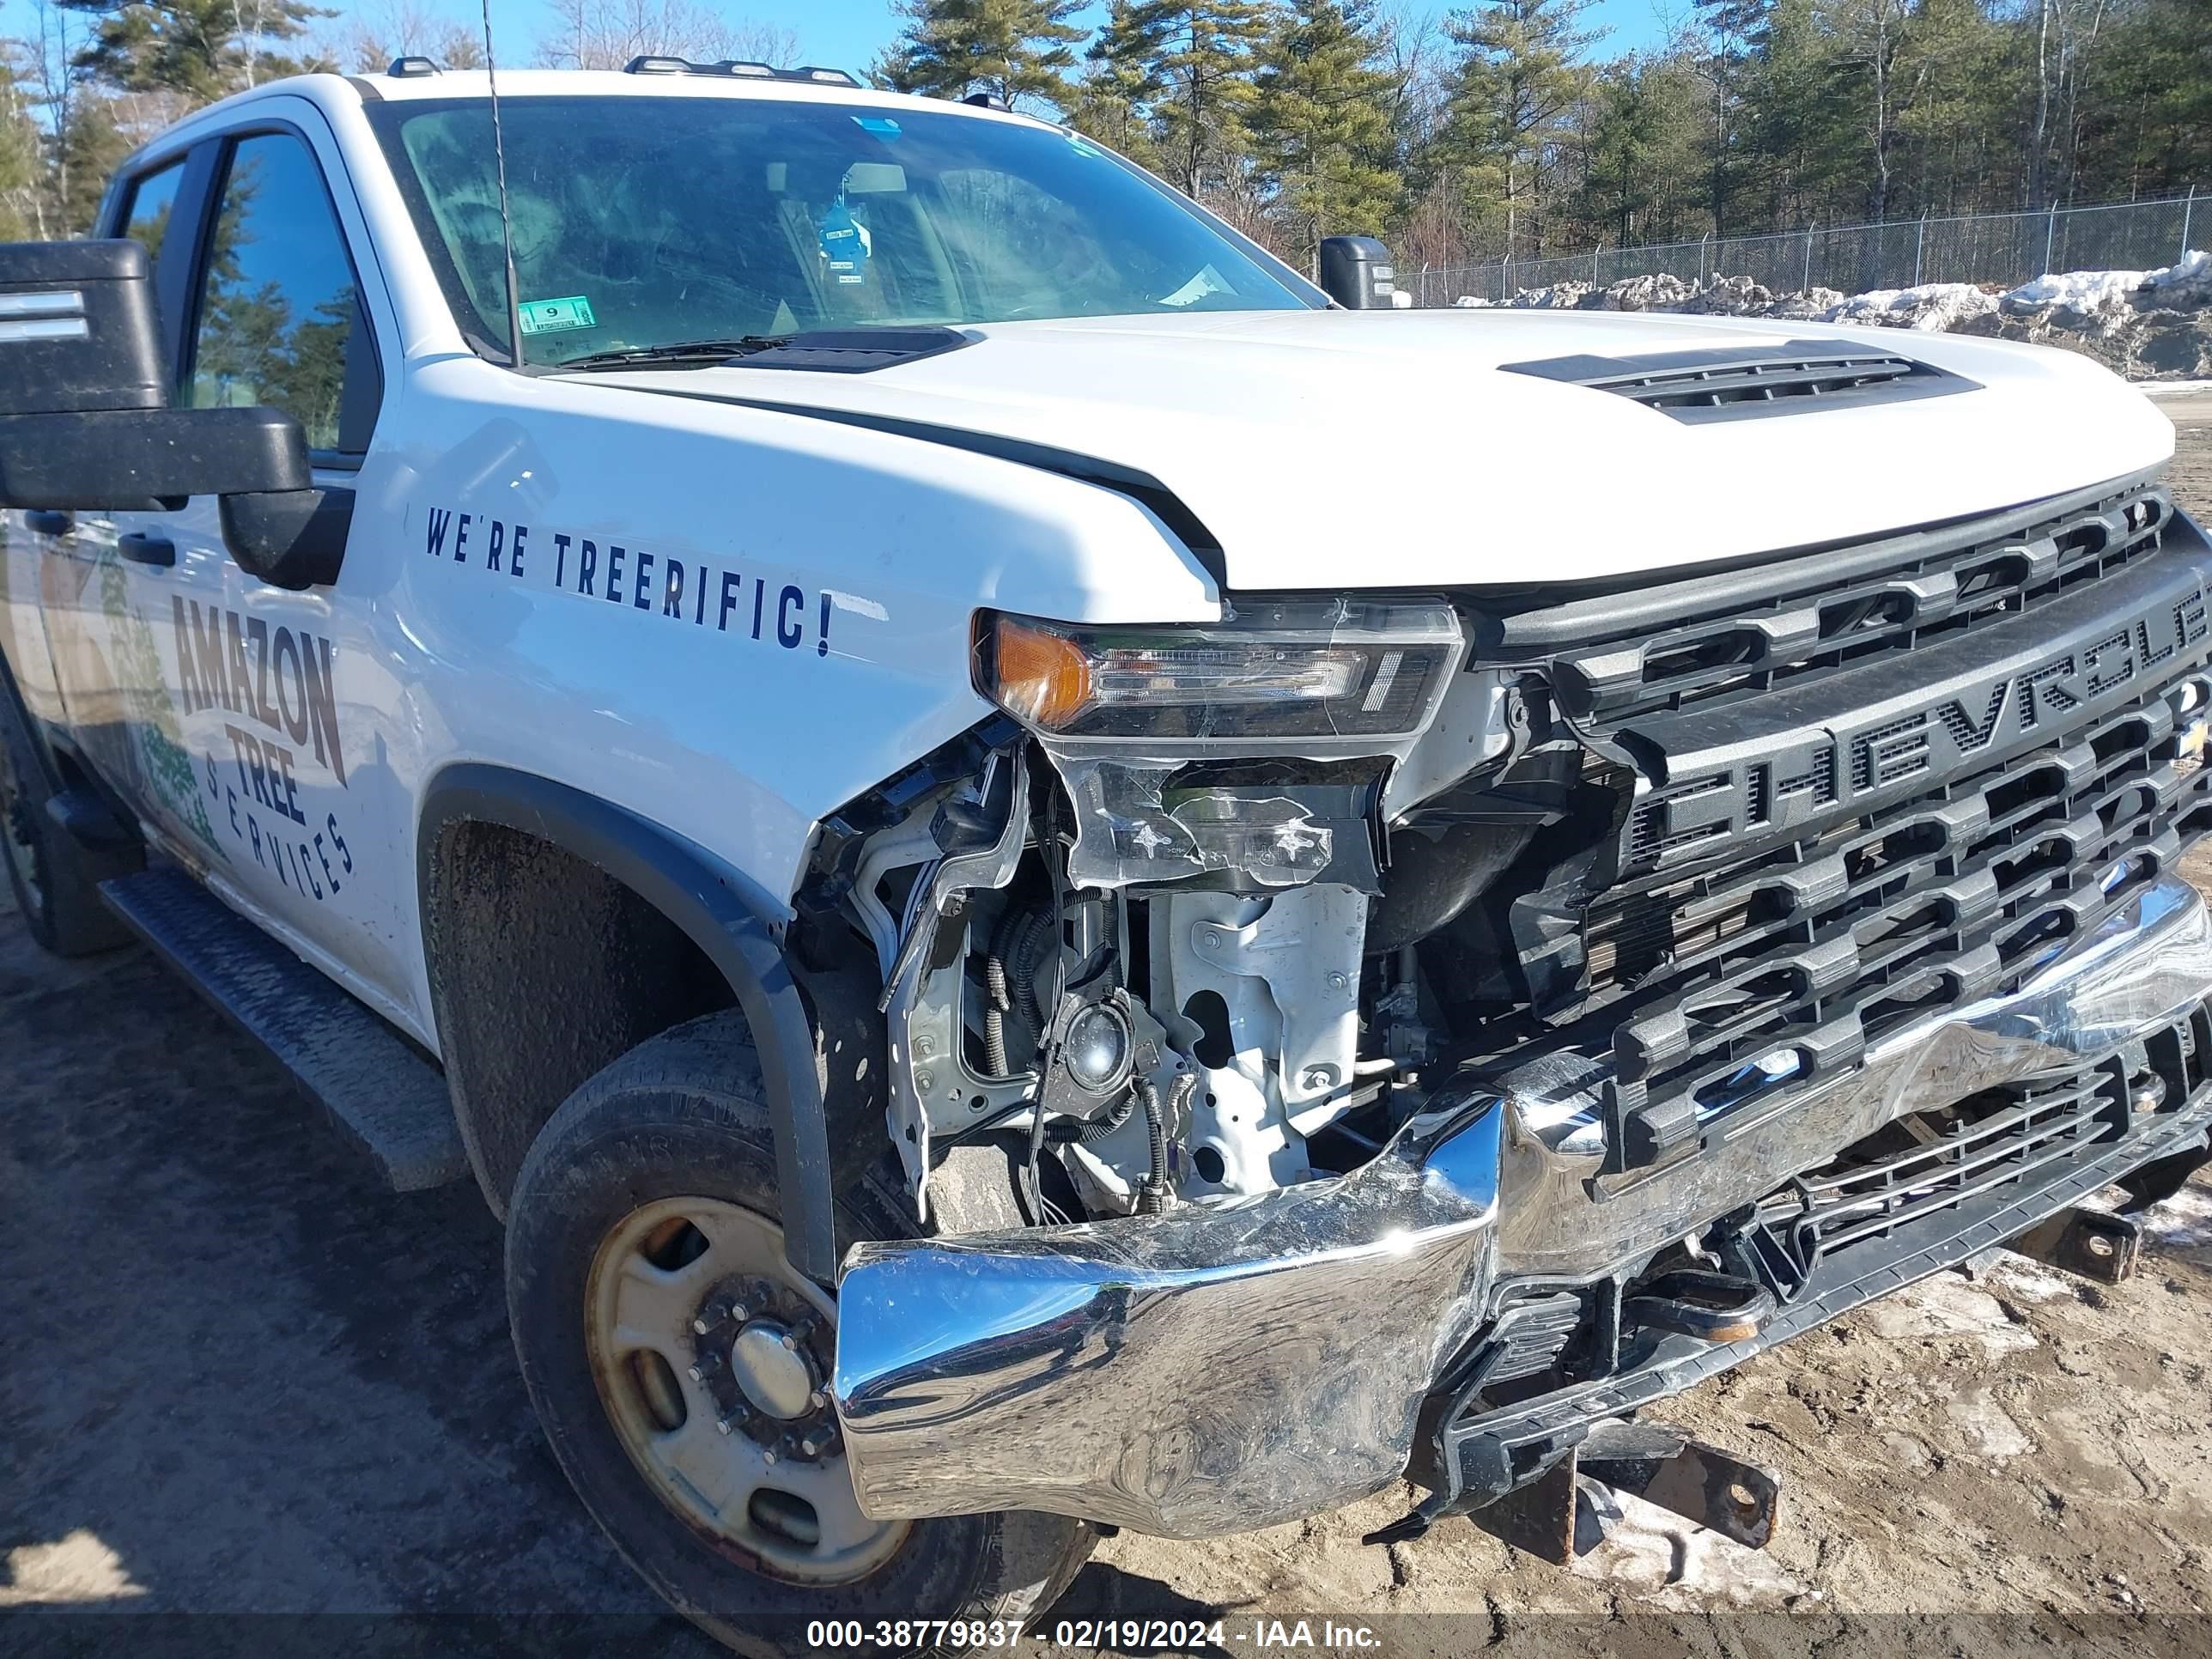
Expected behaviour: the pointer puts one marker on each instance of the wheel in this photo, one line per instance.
(56, 883)
(680, 1366)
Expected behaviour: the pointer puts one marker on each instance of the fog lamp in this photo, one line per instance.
(1096, 1049)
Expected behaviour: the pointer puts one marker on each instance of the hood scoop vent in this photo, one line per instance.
(1738, 382)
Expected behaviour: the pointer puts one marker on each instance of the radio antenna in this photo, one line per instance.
(506, 218)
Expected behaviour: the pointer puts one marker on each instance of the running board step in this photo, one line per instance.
(376, 1087)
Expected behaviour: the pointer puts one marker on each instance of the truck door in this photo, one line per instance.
(250, 727)
(78, 572)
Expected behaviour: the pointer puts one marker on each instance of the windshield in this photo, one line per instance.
(646, 221)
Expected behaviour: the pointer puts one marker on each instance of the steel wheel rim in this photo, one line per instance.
(15, 829)
(746, 1489)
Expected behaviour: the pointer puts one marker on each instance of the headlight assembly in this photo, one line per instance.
(1273, 673)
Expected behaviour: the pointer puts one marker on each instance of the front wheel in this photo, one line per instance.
(681, 1367)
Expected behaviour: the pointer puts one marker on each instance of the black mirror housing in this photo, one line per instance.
(292, 538)
(84, 421)
(1356, 272)
(77, 329)
(136, 459)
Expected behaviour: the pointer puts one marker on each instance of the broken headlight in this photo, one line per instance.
(1291, 670)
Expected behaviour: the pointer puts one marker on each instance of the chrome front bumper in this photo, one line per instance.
(1216, 1368)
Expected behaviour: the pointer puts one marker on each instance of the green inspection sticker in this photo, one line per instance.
(550, 316)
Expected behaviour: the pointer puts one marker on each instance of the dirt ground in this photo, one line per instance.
(236, 1379)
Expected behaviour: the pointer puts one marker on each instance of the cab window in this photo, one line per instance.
(146, 222)
(279, 320)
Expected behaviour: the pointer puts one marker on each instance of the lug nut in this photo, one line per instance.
(768, 1454)
(727, 1426)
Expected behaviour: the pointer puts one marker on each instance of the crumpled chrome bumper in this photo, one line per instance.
(1212, 1370)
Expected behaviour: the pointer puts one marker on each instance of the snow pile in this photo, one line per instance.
(1933, 307)
(2086, 291)
(2149, 325)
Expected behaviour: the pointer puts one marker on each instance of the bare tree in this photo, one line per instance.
(376, 35)
(607, 33)
(2065, 37)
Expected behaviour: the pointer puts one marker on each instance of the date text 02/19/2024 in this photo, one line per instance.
(1081, 1635)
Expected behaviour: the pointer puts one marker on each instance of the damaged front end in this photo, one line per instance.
(1405, 1031)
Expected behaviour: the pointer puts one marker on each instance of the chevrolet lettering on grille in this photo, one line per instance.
(1882, 741)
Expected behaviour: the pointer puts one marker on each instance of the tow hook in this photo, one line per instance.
(1713, 1307)
(1656, 1462)
(2093, 1244)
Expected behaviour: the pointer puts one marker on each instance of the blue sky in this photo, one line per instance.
(850, 33)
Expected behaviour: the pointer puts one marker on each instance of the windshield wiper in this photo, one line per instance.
(823, 350)
(676, 351)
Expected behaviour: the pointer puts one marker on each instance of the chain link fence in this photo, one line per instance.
(2005, 248)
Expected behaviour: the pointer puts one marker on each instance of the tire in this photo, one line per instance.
(672, 1133)
(55, 881)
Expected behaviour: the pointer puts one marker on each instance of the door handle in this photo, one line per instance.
(140, 547)
(40, 522)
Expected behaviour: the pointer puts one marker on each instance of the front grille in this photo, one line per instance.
(1931, 1162)
(1745, 634)
(1759, 978)
(1983, 808)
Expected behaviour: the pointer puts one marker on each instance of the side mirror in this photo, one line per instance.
(85, 422)
(1356, 272)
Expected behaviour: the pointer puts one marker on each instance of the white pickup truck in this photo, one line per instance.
(1054, 882)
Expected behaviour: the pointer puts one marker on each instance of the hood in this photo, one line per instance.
(1329, 449)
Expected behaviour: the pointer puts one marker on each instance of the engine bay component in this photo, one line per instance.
(1149, 823)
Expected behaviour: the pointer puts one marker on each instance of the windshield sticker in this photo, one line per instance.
(881, 126)
(844, 244)
(1207, 281)
(550, 316)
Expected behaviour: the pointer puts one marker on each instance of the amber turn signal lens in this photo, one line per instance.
(1043, 678)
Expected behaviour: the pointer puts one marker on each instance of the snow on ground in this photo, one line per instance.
(1932, 308)
(2147, 325)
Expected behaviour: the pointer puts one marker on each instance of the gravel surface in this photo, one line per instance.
(235, 1378)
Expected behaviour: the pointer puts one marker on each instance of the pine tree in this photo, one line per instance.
(1736, 33)
(86, 151)
(1645, 143)
(1797, 123)
(1321, 124)
(202, 49)
(1951, 70)
(1113, 102)
(1203, 55)
(1017, 51)
(1516, 86)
